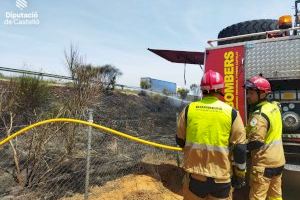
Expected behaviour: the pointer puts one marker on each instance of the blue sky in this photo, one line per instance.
(118, 32)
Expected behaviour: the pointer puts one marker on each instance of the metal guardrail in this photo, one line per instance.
(21, 71)
(121, 86)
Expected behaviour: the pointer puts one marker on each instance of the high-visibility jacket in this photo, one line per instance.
(265, 126)
(208, 130)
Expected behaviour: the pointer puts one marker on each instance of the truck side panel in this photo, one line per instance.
(279, 61)
(228, 62)
(273, 58)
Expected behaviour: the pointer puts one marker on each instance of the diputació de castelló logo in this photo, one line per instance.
(21, 4)
(21, 17)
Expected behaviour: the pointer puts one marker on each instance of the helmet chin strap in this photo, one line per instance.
(216, 91)
(260, 99)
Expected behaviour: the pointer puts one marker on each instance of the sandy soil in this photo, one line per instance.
(131, 187)
(162, 183)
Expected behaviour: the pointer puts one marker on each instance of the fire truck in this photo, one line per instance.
(273, 54)
(269, 48)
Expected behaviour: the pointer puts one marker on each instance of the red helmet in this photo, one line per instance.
(212, 80)
(258, 83)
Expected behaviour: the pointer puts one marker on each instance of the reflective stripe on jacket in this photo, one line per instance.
(208, 128)
(271, 154)
(273, 114)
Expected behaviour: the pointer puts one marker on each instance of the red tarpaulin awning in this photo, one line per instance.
(187, 57)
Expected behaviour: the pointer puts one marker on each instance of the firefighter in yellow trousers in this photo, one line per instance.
(211, 133)
(264, 132)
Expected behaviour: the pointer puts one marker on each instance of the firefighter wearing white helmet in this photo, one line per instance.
(264, 132)
(210, 132)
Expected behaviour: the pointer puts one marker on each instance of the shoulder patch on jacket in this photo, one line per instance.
(253, 122)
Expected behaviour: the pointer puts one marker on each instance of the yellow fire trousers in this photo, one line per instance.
(262, 188)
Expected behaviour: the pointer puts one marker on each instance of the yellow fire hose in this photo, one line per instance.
(103, 128)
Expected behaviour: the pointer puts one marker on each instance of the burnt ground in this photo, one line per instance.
(114, 161)
(59, 175)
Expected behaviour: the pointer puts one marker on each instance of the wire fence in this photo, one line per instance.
(55, 162)
(71, 162)
(57, 175)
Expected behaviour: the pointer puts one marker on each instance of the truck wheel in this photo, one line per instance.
(291, 121)
(242, 28)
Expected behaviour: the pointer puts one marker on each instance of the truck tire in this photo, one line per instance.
(242, 28)
(291, 121)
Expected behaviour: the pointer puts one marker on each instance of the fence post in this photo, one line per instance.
(88, 158)
(177, 153)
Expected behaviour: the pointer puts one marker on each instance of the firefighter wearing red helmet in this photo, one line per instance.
(264, 132)
(210, 131)
(212, 80)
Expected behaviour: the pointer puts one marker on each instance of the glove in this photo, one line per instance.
(238, 182)
(238, 179)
